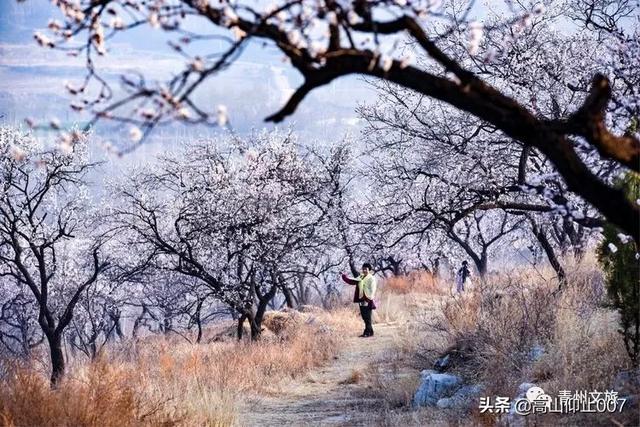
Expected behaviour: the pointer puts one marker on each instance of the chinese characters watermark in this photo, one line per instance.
(536, 401)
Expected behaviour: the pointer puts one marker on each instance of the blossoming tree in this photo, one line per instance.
(49, 250)
(240, 220)
(325, 40)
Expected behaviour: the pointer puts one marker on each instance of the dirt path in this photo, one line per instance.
(331, 395)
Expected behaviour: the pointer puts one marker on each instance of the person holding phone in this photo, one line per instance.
(364, 294)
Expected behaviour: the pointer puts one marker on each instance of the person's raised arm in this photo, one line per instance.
(348, 280)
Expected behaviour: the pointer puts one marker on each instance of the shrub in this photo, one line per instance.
(618, 255)
(416, 282)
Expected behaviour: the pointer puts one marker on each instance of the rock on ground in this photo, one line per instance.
(435, 386)
(464, 398)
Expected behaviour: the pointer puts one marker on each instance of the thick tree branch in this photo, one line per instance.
(589, 122)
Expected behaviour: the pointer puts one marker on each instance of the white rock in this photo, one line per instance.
(435, 386)
(465, 397)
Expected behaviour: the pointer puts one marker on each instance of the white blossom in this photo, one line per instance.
(238, 34)
(230, 17)
(332, 19)
(116, 23)
(197, 64)
(135, 134)
(475, 34)
(43, 40)
(386, 62)
(294, 37)
(98, 38)
(222, 115)
(65, 145)
(407, 60)
(624, 238)
(353, 17)
(154, 20)
(183, 113)
(17, 153)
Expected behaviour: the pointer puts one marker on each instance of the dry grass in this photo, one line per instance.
(495, 327)
(403, 299)
(415, 283)
(100, 394)
(489, 332)
(492, 331)
(166, 382)
(354, 377)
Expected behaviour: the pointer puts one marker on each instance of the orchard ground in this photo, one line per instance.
(310, 368)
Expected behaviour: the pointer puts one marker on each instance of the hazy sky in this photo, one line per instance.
(32, 78)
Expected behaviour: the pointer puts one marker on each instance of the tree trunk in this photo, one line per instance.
(254, 327)
(395, 266)
(199, 320)
(479, 260)
(138, 322)
(481, 264)
(57, 358)
(256, 323)
(199, 337)
(436, 268)
(263, 303)
(288, 297)
(353, 268)
(116, 319)
(548, 249)
(166, 324)
(239, 331)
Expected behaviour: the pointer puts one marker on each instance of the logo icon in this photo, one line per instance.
(538, 397)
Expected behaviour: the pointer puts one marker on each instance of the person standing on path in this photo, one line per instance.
(462, 277)
(364, 293)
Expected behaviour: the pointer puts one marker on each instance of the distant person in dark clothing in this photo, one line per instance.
(463, 275)
(364, 293)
